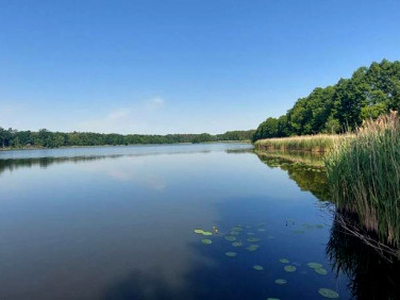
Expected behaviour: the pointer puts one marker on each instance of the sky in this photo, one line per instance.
(158, 67)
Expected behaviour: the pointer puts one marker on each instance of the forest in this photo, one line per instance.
(44, 138)
(369, 93)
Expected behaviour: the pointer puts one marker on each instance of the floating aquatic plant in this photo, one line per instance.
(237, 228)
(314, 265)
(234, 233)
(298, 231)
(258, 268)
(250, 233)
(253, 239)
(199, 231)
(261, 229)
(290, 269)
(273, 299)
(252, 248)
(237, 244)
(231, 254)
(230, 238)
(281, 281)
(328, 293)
(284, 260)
(321, 271)
(207, 233)
(319, 226)
(206, 241)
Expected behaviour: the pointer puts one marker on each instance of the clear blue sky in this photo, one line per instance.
(143, 66)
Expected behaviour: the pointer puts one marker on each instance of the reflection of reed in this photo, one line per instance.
(307, 176)
(305, 157)
(373, 275)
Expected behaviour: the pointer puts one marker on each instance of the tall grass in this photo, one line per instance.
(364, 176)
(315, 143)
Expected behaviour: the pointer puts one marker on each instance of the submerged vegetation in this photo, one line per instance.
(364, 177)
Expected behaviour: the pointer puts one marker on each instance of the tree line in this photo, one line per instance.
(370, 92)
(44, 138)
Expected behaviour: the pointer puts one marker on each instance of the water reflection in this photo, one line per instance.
(372, 274)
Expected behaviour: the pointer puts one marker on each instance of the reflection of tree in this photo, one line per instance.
(309, 177)
(372, 275)
(44, 162)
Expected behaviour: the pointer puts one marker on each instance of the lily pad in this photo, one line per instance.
(230, 238)
(252, 248)
(290, 269)
(273, 299)
(258, 268)
(237, 244)
(281, 281)
(234, 233)
(251, 233)
(231, 254)
(328, 293)
(206, 241)
(314, 265)
(261, 229)
(207, 233)
(319, 226)
(284, 260)
(253, 239)
(237, 228)
(321, 271)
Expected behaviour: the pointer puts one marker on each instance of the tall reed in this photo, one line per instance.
(364, 176)
(315, 143)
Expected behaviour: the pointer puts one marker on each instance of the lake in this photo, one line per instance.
(118, 223)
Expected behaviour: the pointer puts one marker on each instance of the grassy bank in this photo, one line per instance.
(314, 143)
(364, 176)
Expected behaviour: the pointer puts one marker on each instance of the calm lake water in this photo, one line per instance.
(118, 222)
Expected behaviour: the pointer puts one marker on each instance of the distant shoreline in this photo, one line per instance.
(96, 146)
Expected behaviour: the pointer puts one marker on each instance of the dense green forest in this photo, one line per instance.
(46, 139)
(369, 93)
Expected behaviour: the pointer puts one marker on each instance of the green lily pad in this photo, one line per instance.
(284, 260)
(252, 248)
(234, 233)
(258, 268)
(281, 281)
(328, 293)
(230, 238)
(290, 269)
(251, 233)
(270, 237)
(231, 254)
(237, 244)
(314, 265)
(321, 271)
(247, 226)
(199, 231)
(261, 229)
(206, 241)
(207, 233)
(319, 226)
(253, 239)
(273, 299)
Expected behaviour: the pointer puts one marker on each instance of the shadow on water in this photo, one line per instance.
(371, 275)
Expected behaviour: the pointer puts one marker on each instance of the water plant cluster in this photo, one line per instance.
(247, 237)
(364, 177)
(314, 143)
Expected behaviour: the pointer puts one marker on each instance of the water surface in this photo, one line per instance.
(117, 223)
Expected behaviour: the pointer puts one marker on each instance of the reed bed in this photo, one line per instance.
(314, 143)
(364, 176)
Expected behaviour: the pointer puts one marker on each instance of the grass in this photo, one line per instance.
(364, 176)
(314, 143)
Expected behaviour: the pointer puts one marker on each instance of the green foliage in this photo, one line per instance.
(364, 176)
(369, 93)
(47, 139)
